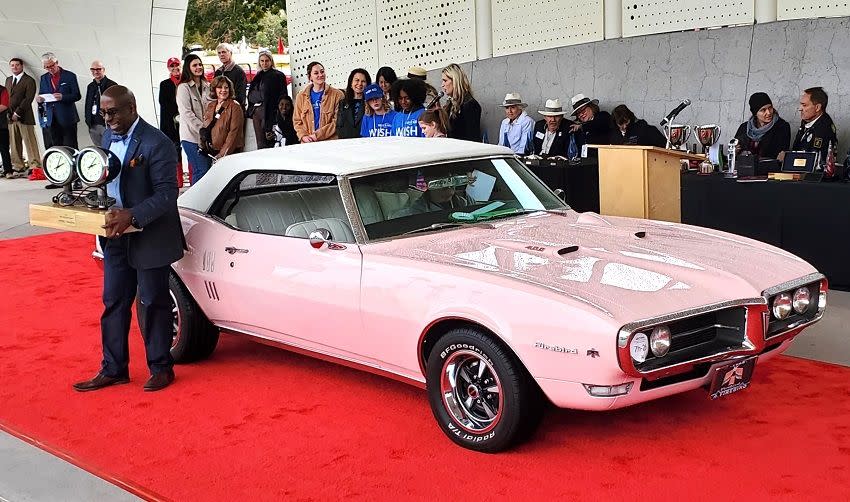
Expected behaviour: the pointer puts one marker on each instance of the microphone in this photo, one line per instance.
(670, 116)
(434, 101)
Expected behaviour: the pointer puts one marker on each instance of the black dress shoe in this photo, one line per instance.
(98, 382)
(159, 381)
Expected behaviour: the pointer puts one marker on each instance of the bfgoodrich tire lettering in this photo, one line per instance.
(479, 393)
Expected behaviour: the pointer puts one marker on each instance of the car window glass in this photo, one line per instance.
(285, 203)
(397, 202)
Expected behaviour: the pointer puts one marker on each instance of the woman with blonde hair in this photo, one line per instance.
(464, 112)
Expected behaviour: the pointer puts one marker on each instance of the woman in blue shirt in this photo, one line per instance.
(378, 119)
(409, 96)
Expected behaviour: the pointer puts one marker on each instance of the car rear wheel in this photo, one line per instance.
(482, 397)
(194, 336)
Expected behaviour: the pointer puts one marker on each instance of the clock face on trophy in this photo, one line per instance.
(58, 163)
(96, 166)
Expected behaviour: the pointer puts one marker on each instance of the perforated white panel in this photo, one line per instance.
(803, 9)
(663, 16)
(427, 33)
(530, 25)
(340, 34)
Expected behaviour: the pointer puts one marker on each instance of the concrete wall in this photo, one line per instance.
(133, 38)
(717, 69)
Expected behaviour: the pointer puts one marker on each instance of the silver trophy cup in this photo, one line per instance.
(707, 135)
(677, 135)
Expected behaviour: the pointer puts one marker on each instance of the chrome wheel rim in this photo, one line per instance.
(175, 320)
(472, 392)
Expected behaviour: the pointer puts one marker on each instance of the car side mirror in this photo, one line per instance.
(319, 237)
(561, 194)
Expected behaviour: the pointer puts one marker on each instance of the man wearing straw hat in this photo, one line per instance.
(552, 134)
(517, 127)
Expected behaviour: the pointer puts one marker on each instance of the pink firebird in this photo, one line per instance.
(449, 265)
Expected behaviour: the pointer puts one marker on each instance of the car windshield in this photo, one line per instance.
(448, 195)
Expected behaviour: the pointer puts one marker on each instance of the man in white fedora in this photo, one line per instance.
(593, 126)
(552, 134)
(517, 127)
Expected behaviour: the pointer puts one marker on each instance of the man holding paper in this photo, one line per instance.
(58, 90)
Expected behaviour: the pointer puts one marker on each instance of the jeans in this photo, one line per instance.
(201, 162)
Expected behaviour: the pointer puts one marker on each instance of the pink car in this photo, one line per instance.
(449, 265)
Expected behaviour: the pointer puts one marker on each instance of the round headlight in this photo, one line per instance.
(639, 348)
(659, 341)
(782, 306)
(802, 299)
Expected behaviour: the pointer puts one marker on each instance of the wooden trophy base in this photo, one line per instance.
(71, 218)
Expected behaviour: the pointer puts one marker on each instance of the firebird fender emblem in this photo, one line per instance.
(555, 348)
(593, 353)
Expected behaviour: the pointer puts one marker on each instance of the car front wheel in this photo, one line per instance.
(481, 396)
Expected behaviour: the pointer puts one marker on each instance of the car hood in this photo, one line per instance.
(623, 267)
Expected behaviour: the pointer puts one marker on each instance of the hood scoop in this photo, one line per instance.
(640, 235)
(567, 250)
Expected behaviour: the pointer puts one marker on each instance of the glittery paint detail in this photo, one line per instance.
(632, 278)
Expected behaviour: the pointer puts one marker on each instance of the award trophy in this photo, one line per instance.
(732, 151)
(707, 135)
(677, 135)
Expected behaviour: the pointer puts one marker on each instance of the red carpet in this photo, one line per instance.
(260, 423)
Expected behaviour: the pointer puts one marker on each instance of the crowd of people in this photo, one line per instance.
(207, 120)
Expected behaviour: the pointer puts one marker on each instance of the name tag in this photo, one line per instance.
(539, 135)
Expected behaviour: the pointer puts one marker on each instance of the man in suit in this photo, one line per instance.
(146, 199)
(552, 134)
(58, 118)
(100, 82)
(21, 89)
(233, 71)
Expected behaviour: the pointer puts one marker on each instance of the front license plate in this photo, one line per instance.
(732, 377)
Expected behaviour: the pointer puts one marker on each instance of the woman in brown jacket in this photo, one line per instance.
(316, 107)
(224, 121)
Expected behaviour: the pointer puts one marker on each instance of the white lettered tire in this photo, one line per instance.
(481, 396)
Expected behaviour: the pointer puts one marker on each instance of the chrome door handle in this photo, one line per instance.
(233, 250)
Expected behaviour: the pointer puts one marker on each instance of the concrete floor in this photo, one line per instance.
(28, 473)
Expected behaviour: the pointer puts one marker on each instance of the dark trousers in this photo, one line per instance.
(259, 126)
(120, 283)
(4, 150)
(61, 135)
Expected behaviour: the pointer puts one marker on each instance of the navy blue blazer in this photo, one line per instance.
(64, 111)
(149, 190)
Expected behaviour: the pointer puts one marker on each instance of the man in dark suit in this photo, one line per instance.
(100, 82)
(58, 118)
(552, 134)
(146, 199)
(21, 89)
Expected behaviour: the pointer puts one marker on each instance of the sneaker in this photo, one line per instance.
(9, 175)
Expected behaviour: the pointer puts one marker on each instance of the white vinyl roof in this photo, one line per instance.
(337, 157)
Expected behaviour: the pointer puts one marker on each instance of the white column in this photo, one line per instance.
(613, 18)
(483, 29)
(765, 11)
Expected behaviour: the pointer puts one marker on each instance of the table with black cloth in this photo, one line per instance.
(580, 182)
(810, 220)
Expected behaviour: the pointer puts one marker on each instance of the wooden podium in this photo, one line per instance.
(641, 181)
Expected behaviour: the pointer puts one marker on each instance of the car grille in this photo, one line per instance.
(700, 336)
